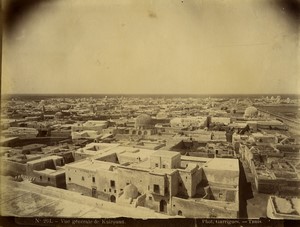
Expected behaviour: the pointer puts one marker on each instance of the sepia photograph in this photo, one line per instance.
(143, 112)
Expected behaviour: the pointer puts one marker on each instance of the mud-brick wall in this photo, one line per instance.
(12, 168)
(77, 188)
(228, 177)
(191, 209)
(140, 201)
(266, 186)
(139, 178)
(81, 177)
(109, 158)
(41, 178)
(152, 201)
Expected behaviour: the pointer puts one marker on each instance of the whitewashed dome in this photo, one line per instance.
(130, 191)
(251, 112)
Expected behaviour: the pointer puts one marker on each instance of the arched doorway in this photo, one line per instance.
(163, 206)
(113, 199)
(180, 212)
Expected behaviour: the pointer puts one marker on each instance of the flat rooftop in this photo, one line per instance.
(195, 159)
(98, 147)
(158, 171)
(51, 157)
(51, 171)
(92, 165)
(223, 164)
(286, 206)
(165, 153)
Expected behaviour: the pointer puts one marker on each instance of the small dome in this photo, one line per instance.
(143, 120)
(161, 115)
(176, 122)
(58, 115)
(130, 191)
(251, 112)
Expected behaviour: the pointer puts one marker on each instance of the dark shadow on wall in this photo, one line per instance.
(245, 192)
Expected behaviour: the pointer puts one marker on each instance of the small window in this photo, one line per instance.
(41, 178)
(115, 191)
(156, 164)
(180, 184)
(82, 178)
(109, 190)
(112, 183)
(104, 190)
(93, 179)
(127, 183)
(48, 178)
(69, 178)
(164, 166)
(156, 188)
(150, 198)
(121, 189)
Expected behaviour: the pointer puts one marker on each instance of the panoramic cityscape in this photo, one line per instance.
(151, 156)
(174, 109)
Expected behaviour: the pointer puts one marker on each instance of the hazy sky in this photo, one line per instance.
(153, 46)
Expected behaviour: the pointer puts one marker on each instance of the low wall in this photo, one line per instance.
(271, 186)
(77, 198)
(140, 201)
(12, 168)
(203, 209)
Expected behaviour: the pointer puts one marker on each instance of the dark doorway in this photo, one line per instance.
(180, 212)
(113, 199)
(94, 192)
(163, 206)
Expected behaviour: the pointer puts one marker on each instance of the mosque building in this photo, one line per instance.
(144, 125)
